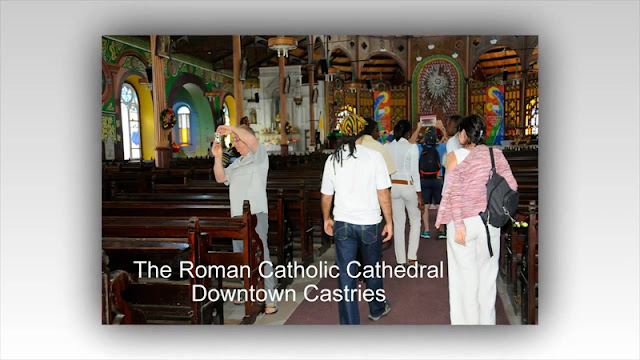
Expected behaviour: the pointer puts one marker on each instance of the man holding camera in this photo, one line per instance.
(247, 180)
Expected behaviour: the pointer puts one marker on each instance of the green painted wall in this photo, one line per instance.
(202, 126)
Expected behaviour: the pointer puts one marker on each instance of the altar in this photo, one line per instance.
(275, 148)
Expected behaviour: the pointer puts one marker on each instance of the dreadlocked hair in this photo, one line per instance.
(349, 141)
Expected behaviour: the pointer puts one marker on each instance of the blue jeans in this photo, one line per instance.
(351, 239)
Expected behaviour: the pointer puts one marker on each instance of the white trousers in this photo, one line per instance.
(473, 274)
(405, 197)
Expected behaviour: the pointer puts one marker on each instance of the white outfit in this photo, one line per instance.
(405, 156)
(472, 272)
(356, 184)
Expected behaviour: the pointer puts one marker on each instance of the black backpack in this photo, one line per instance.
(429, 163)
(502, 201)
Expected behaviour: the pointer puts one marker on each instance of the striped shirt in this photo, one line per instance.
(465, 195)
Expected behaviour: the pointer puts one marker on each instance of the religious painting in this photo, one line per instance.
(382, 109)
(438, 88)
(494, 114)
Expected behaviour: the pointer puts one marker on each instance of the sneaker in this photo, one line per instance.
(425, 235)
(387, 309)
(443, 235)
(432, 206)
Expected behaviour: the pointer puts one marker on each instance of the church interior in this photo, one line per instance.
(163, 97)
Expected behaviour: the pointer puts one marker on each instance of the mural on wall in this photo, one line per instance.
(494, 114)
(109, 128)
(382, 109)
(113, 54)
(438, 87)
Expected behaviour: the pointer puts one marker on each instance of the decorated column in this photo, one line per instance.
(237, 85)
(311, 69)
(163, 151)
(284, 143)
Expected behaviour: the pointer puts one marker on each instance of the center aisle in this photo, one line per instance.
(413, 301)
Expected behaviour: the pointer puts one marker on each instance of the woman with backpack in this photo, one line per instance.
(472, 269)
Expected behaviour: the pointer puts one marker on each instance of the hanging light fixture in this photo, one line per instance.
(298, 93)
(493, 41)
(353, 85)
(455, 55)
(382, 48)
(418, 57)
(431, 46)
(282, 44)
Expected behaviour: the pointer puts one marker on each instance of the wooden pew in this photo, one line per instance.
(524, 166)
(295, 199)
(120, 311)
(156, 242)
(280, 238)
(209, 229)
(529, 273)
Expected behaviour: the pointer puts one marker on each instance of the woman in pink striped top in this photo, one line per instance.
(472, 271)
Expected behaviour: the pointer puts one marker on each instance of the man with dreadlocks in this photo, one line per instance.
(358, 178)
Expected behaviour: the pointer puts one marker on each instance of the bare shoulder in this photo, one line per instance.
(452, 161)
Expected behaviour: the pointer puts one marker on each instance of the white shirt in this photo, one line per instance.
(355, 184)
(247, 180)
(453, 144)
(406, 156)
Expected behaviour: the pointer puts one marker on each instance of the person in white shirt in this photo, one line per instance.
(451, 137)
(405, 193)
(358, 179)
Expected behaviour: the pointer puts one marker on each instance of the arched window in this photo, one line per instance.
(130, 111)
(227, 121)
(184, 123)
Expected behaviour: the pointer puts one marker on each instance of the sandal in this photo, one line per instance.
(239, 301)
(270, 306)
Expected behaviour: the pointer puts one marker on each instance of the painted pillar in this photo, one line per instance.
(237, 85)
(408, 77)
(163, 152)
(311, 69)
(284, 145)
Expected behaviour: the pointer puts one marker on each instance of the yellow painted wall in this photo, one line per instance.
(147, 131)
(231, 105)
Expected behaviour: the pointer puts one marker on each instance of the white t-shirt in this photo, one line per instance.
(452, 145)
(406, 157)
(355, 185)
(247, 180)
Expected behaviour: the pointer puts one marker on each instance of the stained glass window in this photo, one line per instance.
(184, 124)
(130, 112)
(227, 139)
(532, 117)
